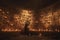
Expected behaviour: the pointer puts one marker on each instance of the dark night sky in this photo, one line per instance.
(33, 4)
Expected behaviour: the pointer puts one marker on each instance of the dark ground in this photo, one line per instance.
(19, 36)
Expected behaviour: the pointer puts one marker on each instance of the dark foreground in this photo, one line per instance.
(40, 36)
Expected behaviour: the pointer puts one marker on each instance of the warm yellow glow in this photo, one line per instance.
(26, 15)
(23, 17)
(50, 18)
(46, 19)
(10, 30)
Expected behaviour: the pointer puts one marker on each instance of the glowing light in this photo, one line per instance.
(10, 30)
(46, 20)
(5, 16)
(0, 9)
(23, 17)
(32, 29)
(50, 19)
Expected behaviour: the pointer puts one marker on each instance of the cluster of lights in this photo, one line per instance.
(19, 20)
(45, 30)
(5, 24)
(11, 30)
(48, 20)
(25, 15)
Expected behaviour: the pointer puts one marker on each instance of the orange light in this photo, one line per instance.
(21, 18)
(10, 30)
(46, 19)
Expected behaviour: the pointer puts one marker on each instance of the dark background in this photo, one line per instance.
(32, 4)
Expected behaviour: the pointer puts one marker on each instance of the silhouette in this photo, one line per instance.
(26, 29)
